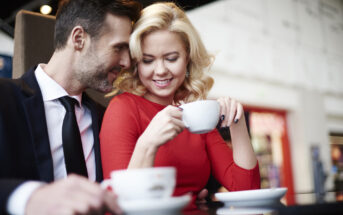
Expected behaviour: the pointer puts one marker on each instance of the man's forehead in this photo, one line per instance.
(115, 30)
(117, 23)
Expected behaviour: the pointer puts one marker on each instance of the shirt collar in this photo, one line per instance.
(50, 89)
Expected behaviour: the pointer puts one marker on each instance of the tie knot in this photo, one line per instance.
(69, 103)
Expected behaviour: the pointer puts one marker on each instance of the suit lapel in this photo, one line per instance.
(35, 113)
(96, 122)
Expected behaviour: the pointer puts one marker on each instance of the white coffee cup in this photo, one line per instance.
(201, 116)
(142, 184)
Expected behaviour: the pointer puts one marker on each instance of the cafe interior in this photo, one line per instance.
(282, 59)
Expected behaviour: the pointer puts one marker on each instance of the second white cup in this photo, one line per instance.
(145, 183)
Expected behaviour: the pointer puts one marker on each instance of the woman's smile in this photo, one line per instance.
(163, 83)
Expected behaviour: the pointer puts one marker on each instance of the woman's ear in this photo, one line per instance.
(78, 37)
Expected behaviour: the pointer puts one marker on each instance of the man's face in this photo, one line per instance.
(106, 55)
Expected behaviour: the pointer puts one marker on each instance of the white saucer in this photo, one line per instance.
(165, 206)
(252, 197)
(245, 211)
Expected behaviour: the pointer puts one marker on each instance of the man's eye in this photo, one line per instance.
(120, 48)
(117, 49)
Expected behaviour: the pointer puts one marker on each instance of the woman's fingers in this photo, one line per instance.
(231, 103)
(223, 116)
(240, 112)
(166, 125)
(174, 114)
(230, 111)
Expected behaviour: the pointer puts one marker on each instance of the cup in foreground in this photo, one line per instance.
(201, 116)
(145, 183)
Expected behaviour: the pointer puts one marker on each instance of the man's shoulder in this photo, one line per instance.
(9, 85)
(13, 86)
(6, 82)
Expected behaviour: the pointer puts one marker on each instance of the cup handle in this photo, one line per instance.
(184, 122)
(105, 184)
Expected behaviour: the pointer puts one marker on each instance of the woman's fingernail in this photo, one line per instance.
(236, 120)
(180, 108)
(222, 117)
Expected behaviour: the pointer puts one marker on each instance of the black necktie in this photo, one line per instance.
(72, 145)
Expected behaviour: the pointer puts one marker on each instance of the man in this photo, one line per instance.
(91, 47)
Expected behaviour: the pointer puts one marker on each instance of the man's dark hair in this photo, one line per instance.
(90, 14)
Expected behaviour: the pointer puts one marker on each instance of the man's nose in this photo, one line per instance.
(125, 60)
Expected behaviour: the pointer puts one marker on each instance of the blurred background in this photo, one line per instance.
(283, 59)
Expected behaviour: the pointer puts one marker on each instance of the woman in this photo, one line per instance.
(143, 126)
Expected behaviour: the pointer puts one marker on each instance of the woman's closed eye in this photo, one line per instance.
(172, 59)
(147, 61)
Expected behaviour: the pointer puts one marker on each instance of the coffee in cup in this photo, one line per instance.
(201, 116)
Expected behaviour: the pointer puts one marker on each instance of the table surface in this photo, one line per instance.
(307, 204)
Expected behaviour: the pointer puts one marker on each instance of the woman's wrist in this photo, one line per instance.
(146, 147)
(143, 156)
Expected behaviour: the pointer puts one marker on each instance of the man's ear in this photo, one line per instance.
(78, 37)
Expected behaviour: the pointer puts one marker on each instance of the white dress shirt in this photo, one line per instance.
(54, 113)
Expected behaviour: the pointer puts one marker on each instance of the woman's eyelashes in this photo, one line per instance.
(168, 59)
(172, 59)
(147, 61)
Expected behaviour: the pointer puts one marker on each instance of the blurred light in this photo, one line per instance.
(45, 9)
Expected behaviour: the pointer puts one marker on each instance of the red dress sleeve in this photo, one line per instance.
(225, 170)
(119, 133)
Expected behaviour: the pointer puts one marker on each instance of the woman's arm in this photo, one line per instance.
(119, 132)
(243, 153)
(235, 168)
(128, 139)
(163, 127)
(225, 169)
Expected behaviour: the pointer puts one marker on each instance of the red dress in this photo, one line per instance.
(195, 156)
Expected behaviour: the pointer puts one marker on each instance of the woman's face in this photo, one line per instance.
(163, 67)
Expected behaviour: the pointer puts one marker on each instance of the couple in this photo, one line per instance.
(91, 47)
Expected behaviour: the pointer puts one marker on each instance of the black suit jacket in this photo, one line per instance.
(24, 143)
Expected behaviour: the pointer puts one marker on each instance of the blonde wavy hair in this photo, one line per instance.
(168, 16)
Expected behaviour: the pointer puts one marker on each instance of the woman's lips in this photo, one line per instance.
(162, 83)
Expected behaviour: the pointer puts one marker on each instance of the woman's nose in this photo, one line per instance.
(160, 68)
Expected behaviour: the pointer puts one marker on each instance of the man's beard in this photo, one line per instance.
(96, 79)
(92, 73)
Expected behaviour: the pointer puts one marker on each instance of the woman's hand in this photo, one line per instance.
(231, 111)
(165, 126)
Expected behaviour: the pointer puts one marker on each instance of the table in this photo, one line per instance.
(314, 209)
(307, 204)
